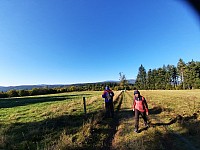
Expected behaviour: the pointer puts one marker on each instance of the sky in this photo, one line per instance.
(81, 41)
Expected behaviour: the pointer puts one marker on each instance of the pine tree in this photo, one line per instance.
(173, 75)
(192, 74)
(141, 78)
(149, 80)
(181, 67)
(197, 76)
(168, 79)
(160, 80)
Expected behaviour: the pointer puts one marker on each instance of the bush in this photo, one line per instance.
(35, 91)
(23, 93)
(13, 93)
(3, 95)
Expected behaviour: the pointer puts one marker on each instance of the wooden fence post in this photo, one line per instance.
(84, 103)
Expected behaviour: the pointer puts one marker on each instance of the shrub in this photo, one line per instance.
(13, 93)
(3, 95)
(23, 93)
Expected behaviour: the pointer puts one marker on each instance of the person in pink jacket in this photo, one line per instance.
(141, 108)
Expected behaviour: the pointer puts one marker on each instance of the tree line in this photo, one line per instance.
(79, 87)
(170, 77)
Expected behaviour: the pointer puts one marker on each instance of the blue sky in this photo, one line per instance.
(78, 41)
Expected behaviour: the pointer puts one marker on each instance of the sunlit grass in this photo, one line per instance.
(57, 121)
(165, 106)
(43, 118)
(44, 122)
(32, 112)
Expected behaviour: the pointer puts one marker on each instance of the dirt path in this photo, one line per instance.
(114, 123)
(102, 130)
(125, 137)
(118, 132)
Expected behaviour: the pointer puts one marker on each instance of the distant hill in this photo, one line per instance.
(131, 81)
(29, 87)
(26, 87)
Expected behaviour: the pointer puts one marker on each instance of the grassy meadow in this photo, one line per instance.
(38, 121)
(57, 121)
(49, 121)
(173, 118)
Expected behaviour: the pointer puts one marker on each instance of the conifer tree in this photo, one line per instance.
(150, 80)
(141, 78)
(181, 67)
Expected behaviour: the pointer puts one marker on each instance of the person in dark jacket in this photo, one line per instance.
(141, 108)
(108, 96)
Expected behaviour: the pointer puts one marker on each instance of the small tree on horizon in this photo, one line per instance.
(123, 82)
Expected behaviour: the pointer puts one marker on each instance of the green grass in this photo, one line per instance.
(57, 121)
(165, 131)
(38, 121)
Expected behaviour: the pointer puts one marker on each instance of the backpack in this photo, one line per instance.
(109, 96)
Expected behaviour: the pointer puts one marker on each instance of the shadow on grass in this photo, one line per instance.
(128, 113)
(188, 139)
(142, 129)
(155, 110)
(178, 119)
(42, 134)
(169, 139)
(104, 130)
(125, 114)
(158, 109)
(14, 102)
(192, 124)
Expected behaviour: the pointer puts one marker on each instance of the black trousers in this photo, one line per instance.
(109, 109)
(143, 114)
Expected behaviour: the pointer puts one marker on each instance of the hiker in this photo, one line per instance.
(141, 108)
(108, 95)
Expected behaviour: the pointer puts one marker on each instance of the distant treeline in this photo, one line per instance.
(170, 77)
(82, 87)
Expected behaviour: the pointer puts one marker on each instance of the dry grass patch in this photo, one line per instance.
(174, 118)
